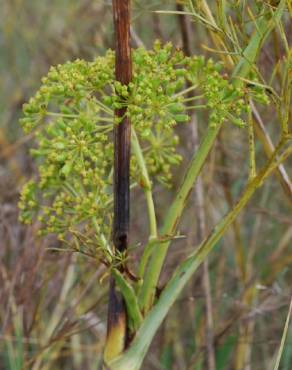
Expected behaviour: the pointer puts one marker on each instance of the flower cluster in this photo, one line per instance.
(222, 99)
(72, 118)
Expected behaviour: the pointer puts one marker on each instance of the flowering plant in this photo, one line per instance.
(72, 120)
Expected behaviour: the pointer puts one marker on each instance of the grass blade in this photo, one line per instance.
(283, 339)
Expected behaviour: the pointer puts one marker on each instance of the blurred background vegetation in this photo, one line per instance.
(53, 304)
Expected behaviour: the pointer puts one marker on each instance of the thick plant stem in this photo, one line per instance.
(122, 131)
(133, 358)
(117, 332)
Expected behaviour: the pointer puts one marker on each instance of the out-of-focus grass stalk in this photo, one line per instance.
(251, 144)
(243, 350)
(199, 202)
(76, 350)
(283, 339)
(268, 147)
(15, 350)
(44, 357)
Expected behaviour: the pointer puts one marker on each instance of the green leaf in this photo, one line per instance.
(223, 353)
(134, 313)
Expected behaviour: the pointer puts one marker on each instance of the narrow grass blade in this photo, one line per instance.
(284, 336)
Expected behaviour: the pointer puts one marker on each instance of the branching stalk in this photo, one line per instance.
(264, 27)
(173, 217)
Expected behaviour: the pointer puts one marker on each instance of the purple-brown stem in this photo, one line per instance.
(122, 136)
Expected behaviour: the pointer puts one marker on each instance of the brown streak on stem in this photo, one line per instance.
(121, 11)
(117, 332)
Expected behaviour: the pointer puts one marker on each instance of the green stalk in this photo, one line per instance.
(242, 69)
(284, 337)
(133, 358)
(172, 218)
(147, 187)
(145, 183)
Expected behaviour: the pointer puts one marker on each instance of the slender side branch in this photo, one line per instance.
(146, 184)
(268, 147)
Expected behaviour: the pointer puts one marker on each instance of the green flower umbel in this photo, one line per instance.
(72, 119)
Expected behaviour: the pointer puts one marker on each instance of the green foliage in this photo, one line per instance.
(224, 352)
(72, 120)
